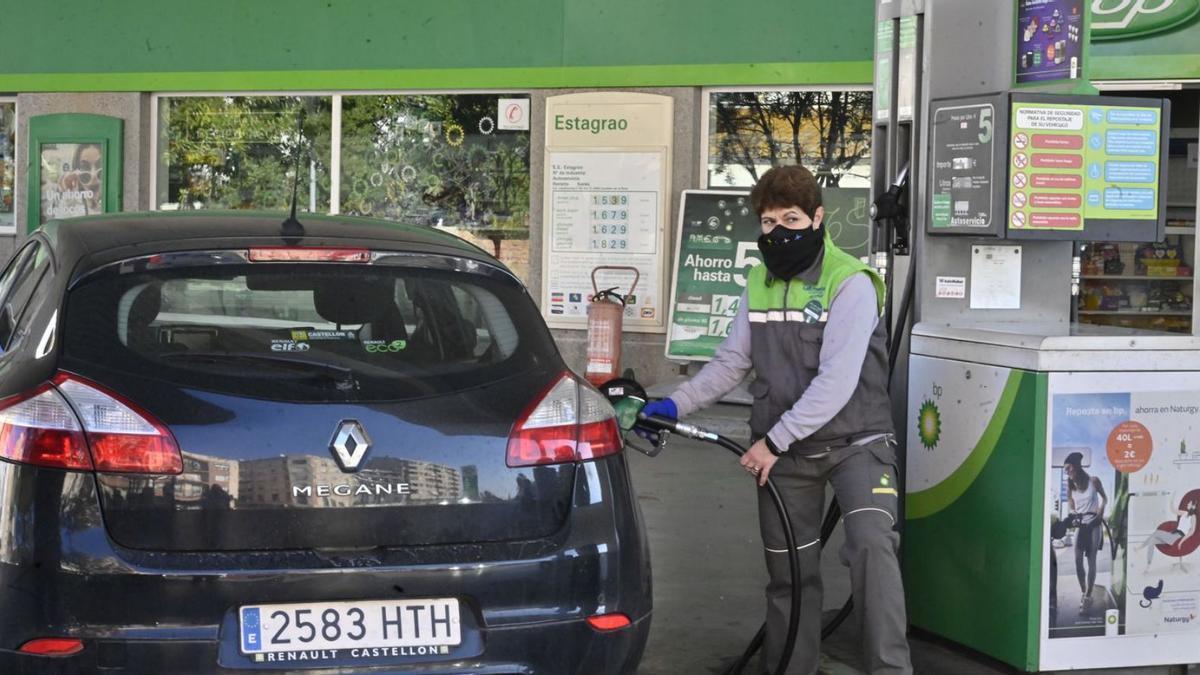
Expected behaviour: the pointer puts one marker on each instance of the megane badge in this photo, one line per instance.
(350, 444)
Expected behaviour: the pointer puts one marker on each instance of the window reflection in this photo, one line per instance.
(829, 132)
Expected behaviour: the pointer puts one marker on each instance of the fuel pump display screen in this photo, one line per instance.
(1086, 167)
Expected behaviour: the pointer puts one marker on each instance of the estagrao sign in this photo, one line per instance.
(1121, 19)
(607, 177)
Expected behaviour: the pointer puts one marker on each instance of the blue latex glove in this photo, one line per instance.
(661, 408)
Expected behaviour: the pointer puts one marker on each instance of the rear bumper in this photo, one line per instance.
(569, 647)
(524, 603)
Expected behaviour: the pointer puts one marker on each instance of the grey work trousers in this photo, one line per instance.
(864, 481)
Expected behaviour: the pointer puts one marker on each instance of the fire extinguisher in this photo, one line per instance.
(604, 315)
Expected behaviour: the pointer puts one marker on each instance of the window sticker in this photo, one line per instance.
(384, 346)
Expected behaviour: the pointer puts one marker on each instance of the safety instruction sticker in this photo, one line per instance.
(1072, 163)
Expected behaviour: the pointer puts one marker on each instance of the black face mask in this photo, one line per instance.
(787, 253)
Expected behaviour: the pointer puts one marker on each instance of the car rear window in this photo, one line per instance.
(306, 332)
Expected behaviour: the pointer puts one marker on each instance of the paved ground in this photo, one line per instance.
(709, 573)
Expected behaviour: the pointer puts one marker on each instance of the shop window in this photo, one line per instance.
(239, 152)
(1150, 286)
(829, 132)
(441, 161)
(8, 165)
(434, 160)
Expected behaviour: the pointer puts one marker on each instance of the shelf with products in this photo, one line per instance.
(1138, 285)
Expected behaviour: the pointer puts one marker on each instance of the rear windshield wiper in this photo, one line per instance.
(342, 376)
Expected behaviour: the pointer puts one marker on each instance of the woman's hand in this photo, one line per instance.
(759, 460)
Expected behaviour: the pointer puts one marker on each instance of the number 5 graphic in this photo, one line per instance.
(985, 125)
(744, 259)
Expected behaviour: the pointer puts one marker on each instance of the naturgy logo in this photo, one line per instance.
(1121, 19)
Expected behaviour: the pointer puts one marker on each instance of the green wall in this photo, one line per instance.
(164, 45)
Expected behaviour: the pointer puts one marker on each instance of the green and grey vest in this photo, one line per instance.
(787, 324)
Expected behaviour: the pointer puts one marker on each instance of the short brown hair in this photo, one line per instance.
(785, 186)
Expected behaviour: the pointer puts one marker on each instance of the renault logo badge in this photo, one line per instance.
(349, 445)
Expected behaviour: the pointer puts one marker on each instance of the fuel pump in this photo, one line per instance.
(1013, 158)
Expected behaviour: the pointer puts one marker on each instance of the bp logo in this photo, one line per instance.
(1122, 19)
(929, 424)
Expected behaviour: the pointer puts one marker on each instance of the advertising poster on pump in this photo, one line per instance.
(1123, 491)
(1050, 38)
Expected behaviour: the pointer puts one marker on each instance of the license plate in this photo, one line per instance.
(430, 623)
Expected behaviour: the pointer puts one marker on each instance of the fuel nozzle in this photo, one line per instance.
(628, 409)
(628, 398)
(664, 425)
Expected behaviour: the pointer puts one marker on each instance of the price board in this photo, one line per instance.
(607, 174)
(604, 207)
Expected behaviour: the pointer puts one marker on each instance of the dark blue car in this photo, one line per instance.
(354, 448)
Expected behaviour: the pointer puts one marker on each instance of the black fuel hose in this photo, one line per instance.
(656, 423)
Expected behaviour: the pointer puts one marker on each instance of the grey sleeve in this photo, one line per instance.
(720, 375)
(853, 316)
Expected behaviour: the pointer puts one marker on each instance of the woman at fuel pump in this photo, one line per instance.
(809, 327)
(1087, 500)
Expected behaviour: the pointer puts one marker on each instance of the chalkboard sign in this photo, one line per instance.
(715, 249)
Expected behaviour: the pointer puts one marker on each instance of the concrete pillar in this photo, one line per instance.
(133, 108)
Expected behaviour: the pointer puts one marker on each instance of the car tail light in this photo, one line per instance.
(52, 646)
(309, 254)
(607, 622)
(39, 428)
(569, 422)
(123, 438)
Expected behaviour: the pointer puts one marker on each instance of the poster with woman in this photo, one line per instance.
(72, 180)
(1123, 501)
(1083, 543)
